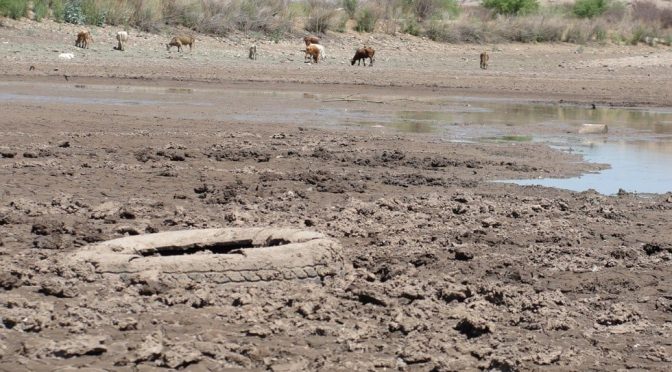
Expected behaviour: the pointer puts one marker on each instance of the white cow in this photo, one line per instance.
(122, 38)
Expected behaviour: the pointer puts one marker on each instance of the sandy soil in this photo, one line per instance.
(446, 270)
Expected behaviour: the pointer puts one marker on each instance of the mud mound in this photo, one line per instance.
(216, 255)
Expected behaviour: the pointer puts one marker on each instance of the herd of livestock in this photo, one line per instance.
(314, 50)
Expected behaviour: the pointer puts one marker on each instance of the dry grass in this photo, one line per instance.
(436, 19)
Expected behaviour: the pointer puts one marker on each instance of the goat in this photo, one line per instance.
(363, 54)
(83, 39)
(179, 41)
(484, 60)
(311, 39)
(312, 51)
(253, 52)
(122, 38)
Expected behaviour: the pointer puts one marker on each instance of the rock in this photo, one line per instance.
(150, 349)
(463, 254)
(618, 313)
(126, 324)
(593, 129)
(59, 288)
(7, 153)
(105, 210)
(83, 345)
(473, 326)
(50, 242)
(179, 357)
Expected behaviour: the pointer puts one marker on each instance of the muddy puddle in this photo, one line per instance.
(637, 147)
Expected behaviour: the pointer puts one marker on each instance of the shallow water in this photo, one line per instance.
(635, 166)
(638, 147)
(639, 153)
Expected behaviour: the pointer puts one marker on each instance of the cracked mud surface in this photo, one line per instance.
(449, 270)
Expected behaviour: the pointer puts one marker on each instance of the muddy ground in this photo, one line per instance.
(449, 271)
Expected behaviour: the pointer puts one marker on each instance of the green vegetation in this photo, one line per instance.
(58, 10)
(494, 21)
(517, 7)
(432, 9)
(13, 8)
(590, 8)
(350, 7)
(41, 9)
(72, 13)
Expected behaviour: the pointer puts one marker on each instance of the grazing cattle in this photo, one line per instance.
(122, 38)
(363, 54)
(311, 39)
(484, 60)
(83, 39)
(322, 53)
(253, 52)
(179, 41)
(313, 52)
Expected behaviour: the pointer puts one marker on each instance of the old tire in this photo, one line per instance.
(222, 256)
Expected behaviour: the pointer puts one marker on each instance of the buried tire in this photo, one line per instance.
(234, 255)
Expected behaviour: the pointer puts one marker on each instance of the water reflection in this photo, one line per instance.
(520, 115)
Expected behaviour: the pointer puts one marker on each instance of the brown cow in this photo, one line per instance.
(484, 60)
(363, 54)
(313, 51)
(181, 40)
(311, 39)
(83, 39)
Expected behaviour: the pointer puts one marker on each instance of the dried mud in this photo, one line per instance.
(449, 270)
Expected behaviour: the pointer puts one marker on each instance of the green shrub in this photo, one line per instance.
(433, 9)
(14, 9)
(118, 13)
(518, 7)
(41, 9)
(367, 19)
(72, 13)
(93, 13)
(590, 8)
(57, 10)
(411, 27)
(350, 7)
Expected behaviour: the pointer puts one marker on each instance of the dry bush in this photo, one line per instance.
(218, 17)
(321, 16)
(471, 32)
(118, 12)
(368, 16)
(529, 29)
(188, 13)
(615, 13)
(441, 31)
(579, 32)
(648, 11)
(147, 14)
